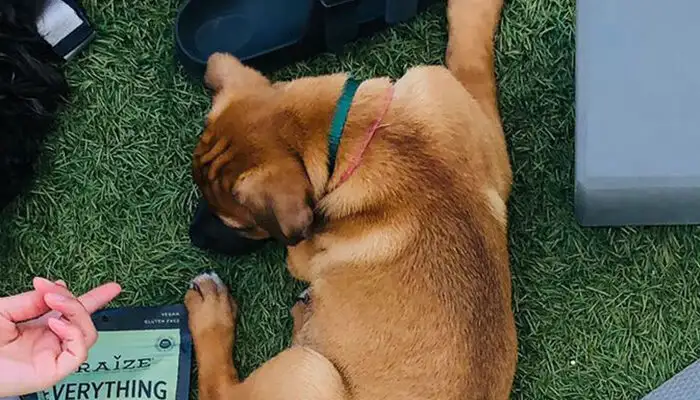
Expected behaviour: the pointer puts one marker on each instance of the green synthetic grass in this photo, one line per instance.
(602, 313)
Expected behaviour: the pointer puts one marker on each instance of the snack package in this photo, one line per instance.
(141, 353)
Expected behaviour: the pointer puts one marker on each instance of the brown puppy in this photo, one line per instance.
(407, 260)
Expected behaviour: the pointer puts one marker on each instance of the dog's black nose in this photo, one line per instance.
(208, 232)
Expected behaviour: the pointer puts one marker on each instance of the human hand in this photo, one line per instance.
(45, 334)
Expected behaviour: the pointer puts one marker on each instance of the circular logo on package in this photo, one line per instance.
(165, 343)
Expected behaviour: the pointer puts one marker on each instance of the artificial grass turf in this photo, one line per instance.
(602, 313)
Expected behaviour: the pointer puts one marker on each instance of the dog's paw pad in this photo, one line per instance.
(207, 281)
(305, 296)
(210, 306)
(205, 288)
(208, 292)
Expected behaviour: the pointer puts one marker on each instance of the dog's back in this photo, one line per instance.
(422, 309)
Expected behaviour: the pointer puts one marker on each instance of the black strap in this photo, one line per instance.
(341, 24)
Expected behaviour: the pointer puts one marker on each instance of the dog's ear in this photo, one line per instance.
(279, 196)
(225, 71)
(229, 78)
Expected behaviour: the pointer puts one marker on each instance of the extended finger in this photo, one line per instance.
(92, 300)
(74, 348)
(75, 313)
(100, 296)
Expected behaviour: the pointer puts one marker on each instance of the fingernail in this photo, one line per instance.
(55, 297)
(61, 282)
(44, 280)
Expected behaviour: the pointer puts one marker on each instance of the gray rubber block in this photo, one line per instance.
(683, 386)
(637, 112)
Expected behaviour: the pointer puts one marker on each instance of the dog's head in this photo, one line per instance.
(245, 163)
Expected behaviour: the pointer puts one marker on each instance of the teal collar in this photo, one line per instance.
(342, 108)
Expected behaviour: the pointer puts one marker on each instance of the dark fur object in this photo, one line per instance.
(32, 88)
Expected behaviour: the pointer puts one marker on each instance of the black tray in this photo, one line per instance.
(267, 34)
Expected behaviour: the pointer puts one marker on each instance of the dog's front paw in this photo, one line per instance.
(211, 309)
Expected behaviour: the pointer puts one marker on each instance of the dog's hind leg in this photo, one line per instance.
(470, 48)
(470, 59)
(296, 373)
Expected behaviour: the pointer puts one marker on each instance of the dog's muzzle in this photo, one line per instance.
(208, 232)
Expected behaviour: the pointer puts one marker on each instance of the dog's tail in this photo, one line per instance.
(470, 50)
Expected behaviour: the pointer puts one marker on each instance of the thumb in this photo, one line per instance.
(23, 306)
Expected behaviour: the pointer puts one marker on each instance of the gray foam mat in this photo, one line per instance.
(637, 112)
(683, 386)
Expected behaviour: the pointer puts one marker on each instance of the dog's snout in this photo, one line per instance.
(295, 239)
(208, 232)
(300, 227)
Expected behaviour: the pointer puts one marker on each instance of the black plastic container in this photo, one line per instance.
(267, 34)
